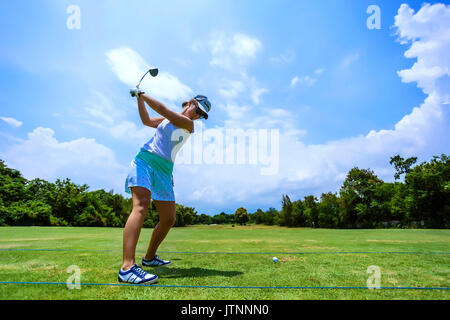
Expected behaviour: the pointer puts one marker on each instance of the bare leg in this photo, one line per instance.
(132, 230)
(167, 215)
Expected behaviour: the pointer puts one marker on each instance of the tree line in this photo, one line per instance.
(63, 203)
(363, 201)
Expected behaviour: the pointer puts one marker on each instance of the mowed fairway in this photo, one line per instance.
(97, 252)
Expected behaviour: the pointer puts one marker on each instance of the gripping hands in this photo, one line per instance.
(136, 92)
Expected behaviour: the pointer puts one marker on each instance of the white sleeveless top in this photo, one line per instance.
(167, 141)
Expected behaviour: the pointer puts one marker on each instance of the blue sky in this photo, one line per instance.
(64, 84)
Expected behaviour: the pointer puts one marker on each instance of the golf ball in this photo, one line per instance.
(275, 259)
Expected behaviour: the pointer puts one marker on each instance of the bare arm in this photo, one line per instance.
(146, 120)
(177, 119)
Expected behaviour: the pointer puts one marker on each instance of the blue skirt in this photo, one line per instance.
(152, 172)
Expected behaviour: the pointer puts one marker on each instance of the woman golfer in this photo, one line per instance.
(151, 177)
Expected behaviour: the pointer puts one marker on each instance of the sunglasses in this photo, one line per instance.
(200, 112)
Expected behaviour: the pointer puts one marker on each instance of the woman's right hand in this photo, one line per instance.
(136, 92)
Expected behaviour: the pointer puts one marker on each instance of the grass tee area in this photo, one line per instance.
(201, 256)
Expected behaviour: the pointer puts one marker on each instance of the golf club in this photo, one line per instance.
(153, 72)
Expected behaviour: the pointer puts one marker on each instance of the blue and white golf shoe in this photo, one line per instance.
(137, 275)
(155, 262)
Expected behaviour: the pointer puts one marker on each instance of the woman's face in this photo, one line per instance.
(191, 111)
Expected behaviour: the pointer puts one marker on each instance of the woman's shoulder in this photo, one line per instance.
(175, 127)
(164, 123)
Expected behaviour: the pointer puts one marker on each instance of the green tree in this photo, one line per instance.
(257, 217)
(401, 165)
(27, 213)
(223, 218)
(185, 215)
(298, 214)
(38, 189)
(67, 200)
(383, 204)
(270, 217)
(152, 216)
(203, 219)
(357, 195)
(119, 208)
(328, 210)
(428, 187)
(311, 211)
(2, 214)
(12, 185)
(286, 211)
(220, 218)
(241, 216)
(397, 204)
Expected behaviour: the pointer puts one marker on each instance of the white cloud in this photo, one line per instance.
(245, 46)
(294, 81)
(12, 122)
(129, 67)
(249, 117)
(319, 70)
(208, 192)
(128, 130)
(235, 111)
(82, 160)
(349, 59)
(256, 94)
(231, 88)
(286, 58)
(255, 90)
(102, 109)
(428, 31)
(248, 86)
(103, 114)
(305, 80)
(232, 53)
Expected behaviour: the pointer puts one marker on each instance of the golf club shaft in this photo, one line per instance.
(152, 71)
(142, 79)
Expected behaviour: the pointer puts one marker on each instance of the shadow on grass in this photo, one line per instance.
(171, 273)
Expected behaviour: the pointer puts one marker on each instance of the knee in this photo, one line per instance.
(141, 207)
(168, 221)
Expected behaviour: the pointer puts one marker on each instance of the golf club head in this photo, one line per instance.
(153, 72)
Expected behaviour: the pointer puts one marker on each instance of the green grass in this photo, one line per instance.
(312, 270)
